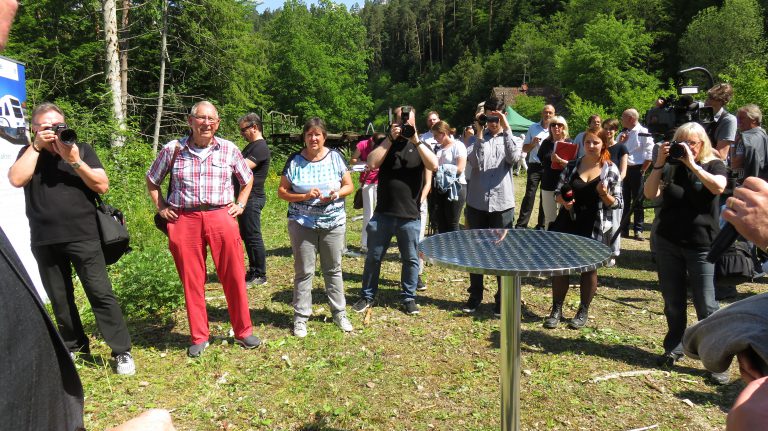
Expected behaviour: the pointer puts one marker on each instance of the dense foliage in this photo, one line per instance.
(349, 66)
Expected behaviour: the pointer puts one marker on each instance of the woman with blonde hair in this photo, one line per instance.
(552, 166)
(690, 177)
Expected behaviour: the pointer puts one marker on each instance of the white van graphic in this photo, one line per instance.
(12, 125)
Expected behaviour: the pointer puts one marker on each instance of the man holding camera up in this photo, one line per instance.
(61, 179)
(403, 162)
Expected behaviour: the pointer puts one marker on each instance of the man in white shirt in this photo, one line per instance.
(640, 147)
(537, 133)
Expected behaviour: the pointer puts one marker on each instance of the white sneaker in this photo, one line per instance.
(299, 328)
(341, 320)
(611, 263)
(124, 364)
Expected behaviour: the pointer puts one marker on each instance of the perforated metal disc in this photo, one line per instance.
(521, 252)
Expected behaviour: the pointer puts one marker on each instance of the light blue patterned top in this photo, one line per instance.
(324, 174)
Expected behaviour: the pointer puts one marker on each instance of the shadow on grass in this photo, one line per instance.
(157, 332)
(635, 259)
(726, 395)
(624, 353)
(622, 283)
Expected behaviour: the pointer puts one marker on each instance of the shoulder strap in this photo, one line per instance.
(176, 150)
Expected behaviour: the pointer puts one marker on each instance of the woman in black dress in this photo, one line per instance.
(588, 191)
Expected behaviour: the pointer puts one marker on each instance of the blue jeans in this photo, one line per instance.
(380, 230)
(676, 265)
(250, 230)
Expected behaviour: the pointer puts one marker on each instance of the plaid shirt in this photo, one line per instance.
(195, 181)
(610, 174)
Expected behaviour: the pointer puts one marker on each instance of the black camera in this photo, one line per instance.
(677, 152)
(406, 130)
(66, 135)
(482, 119)
(675, 110)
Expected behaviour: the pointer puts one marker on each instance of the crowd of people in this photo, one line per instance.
(216, 195)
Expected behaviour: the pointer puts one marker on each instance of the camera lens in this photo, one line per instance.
(67, 136)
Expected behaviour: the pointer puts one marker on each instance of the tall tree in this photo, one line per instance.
(719, 37)
(113, 71)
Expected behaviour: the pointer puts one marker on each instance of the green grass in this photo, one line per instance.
(435, 371)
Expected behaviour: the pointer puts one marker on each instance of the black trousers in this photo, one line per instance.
(631, 192)
(250, 231)
(531, 189)
(448, 212)
(55, 263)
(477, 219)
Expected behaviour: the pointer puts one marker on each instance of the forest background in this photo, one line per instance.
(127, 72)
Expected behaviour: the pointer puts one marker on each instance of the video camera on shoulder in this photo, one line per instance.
(675, 110)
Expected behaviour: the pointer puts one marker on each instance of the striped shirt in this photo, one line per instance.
(200, 179)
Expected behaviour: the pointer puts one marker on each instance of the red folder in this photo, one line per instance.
(566, 151)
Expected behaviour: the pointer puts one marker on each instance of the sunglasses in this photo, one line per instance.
(557, 125)
(493, 119)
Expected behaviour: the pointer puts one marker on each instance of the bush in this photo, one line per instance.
(529, 106)
(146, 283)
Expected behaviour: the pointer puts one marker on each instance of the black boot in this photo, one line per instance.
(580, 319)
(553, 320)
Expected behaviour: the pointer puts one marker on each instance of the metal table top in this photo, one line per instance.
(521, 252)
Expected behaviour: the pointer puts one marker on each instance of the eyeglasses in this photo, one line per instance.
(206, 119)
(562, 126)
(244, 129)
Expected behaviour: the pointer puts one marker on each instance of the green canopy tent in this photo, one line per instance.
(517, 122)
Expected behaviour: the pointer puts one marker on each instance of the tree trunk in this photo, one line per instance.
(113, 71)
(161, 85)
(123, 40)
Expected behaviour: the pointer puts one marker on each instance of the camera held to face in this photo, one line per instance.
(66, 135)
(677, 152)
(406, 130)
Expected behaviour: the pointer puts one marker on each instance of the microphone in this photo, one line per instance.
(722, 242)
(566, 192)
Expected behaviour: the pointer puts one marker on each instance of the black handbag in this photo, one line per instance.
(115, 240)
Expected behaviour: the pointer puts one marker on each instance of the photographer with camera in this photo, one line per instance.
(690, 177)
(490, 187)
(403, 163)
(61, 179)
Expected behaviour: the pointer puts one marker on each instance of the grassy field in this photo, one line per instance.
(435, 371)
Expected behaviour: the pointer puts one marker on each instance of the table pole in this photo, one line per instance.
(510, 352)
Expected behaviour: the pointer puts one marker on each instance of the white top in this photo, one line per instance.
(535, 130)
(639, 148)
(451, 155)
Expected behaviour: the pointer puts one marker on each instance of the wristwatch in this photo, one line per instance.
(241, 205)
(76, 165)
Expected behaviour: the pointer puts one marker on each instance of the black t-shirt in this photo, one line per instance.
(617, 151)
(689, 213)
(401, 177)
(41, 389)
(60, 207)
(549, 177)
(257, 152)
